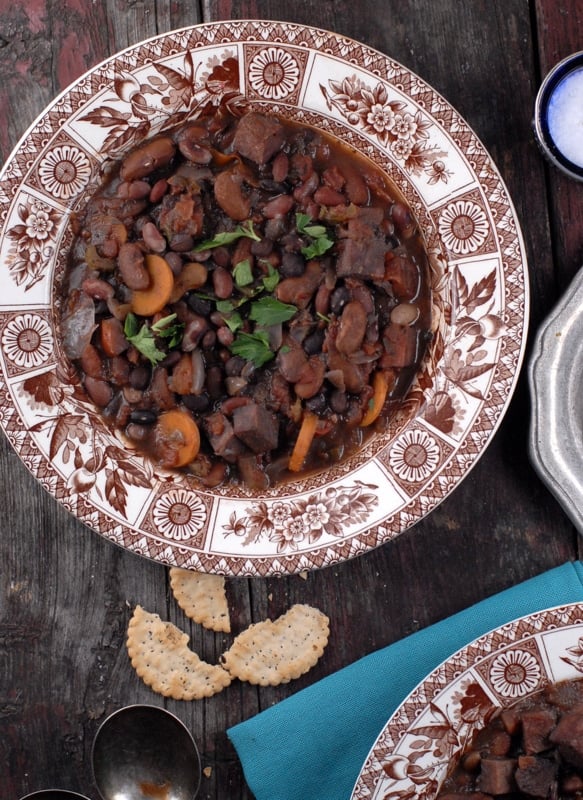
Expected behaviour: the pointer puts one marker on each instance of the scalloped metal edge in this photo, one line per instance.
(555, 374)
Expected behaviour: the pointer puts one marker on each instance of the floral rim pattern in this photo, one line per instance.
(479, 283)
(433, 725)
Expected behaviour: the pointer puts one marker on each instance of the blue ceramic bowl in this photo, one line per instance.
(541, 115)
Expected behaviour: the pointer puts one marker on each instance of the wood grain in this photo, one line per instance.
(66, 594)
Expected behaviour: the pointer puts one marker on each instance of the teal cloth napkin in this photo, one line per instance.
(312, 745)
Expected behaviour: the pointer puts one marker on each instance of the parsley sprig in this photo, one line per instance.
(320, 240)
(227, 237)
(144, 338)
(253, 347)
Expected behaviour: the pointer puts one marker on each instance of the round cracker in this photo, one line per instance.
(269, 653)
(160, 655)
(202, 598)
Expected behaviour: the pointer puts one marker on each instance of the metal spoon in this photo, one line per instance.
(144, 752)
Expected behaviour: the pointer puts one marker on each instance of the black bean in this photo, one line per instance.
(262, 248)
(338, 299)
(139, 376)
(171, 359)
(234, 366)
(209, 340)
(197, 402)
(318, 403)
(274, 187)
(275, 228)
(292, 265)
(199, 304)
(338, 401)
(293, 243)
(313, 342)
(143, 416)
(214, 382)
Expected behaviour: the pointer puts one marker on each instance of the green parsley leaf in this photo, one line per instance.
(268, 311)
(130, 327)
(253, 347)
(166, 330)
(317, 248)
(270, 280)
(227, 237)
(302, 220)
(242, 273)
(320, 243)
(233, 321)
(143, 340)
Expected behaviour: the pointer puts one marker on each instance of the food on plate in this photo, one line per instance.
(160, 655)
(202, 598)
(247, 299)
(531, 749)
(269, 653)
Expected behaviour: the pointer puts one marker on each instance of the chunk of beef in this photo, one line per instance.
(535, 775)
(362, 246)
(300, 290)
(258, 137)
(257, 427)
(537, 723)
(568, 736)
(77, 323)
(497, 775)
(353, 375)
(401, 344)
(252, 473)
(403, 274)
(222, 437)
(464, 796)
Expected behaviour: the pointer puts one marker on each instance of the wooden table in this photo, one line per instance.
(66, 593)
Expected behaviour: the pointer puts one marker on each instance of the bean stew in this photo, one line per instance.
(247, 299)
(531, 749)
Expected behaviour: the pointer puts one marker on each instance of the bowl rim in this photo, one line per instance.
(477, 435)
(540, 123)
(473, 657)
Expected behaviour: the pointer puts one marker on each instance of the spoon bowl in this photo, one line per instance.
(145, 751)
(54, 794)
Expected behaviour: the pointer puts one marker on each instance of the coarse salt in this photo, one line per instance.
(565, 117)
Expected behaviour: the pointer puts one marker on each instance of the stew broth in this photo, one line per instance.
(247, 299)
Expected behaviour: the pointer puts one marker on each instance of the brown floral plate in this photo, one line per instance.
(479, 283)
(432, 727)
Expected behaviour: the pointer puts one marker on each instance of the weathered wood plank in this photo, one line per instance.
(66, 594)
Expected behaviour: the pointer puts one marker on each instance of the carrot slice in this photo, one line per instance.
(177, 438)
(303, 442)
(380, 383)
(146, 302)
